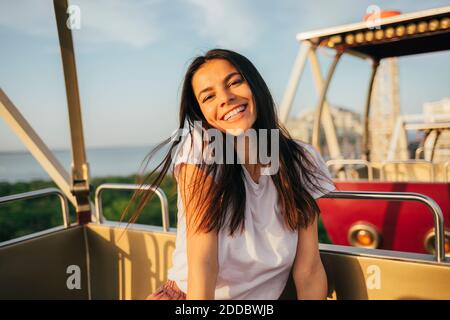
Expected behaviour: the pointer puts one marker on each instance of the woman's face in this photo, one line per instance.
(225, 98)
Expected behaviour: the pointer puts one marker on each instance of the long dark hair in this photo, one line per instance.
(227, 195)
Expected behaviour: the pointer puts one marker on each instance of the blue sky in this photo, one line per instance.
(131, 57)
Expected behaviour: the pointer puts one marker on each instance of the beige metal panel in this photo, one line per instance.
(442, 171)
(131, 266)
(35, 145)
(137, 264)
(359, 277)
(367, 274)
(132, 263)
(37, 268)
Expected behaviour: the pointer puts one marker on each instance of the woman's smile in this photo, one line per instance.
(235, 113)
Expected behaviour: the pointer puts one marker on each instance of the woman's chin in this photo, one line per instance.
(239, 127)
(237, 130)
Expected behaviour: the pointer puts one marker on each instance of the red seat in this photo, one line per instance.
(403, 226)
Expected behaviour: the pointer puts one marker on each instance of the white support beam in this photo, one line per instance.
(35, 145)
(326, 119)
(296, 74)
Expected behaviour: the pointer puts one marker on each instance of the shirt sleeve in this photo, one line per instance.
(324, 180)
(188, 151)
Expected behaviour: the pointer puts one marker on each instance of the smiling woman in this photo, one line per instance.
(240, 230)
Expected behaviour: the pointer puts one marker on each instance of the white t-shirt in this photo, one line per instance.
(256, 263)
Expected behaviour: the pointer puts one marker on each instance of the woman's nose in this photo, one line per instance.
(226, 96)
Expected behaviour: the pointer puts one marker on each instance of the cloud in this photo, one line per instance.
(229, 23)
(102, 21)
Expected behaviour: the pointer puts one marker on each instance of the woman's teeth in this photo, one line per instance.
(233, 113)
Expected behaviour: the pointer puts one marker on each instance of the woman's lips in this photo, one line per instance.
(234, 112)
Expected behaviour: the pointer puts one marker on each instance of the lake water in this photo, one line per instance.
(113, 161)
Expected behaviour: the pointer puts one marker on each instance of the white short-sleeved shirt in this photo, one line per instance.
(256, 263)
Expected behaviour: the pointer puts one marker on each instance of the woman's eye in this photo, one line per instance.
(207, 98)
(235, 82)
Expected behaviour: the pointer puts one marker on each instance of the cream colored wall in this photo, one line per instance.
(131, 264)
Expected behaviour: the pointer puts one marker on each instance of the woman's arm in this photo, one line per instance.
(202, 248)
(308, 272)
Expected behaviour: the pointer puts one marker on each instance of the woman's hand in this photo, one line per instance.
(202, 247)
(308, 272)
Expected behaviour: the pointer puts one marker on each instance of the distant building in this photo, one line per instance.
(348, 126)
(437, 107)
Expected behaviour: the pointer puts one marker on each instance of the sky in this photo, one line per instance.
(131, 57)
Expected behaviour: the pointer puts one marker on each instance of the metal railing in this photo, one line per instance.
(366, 163)
(403, 196)
(119, 186)
(40, 193)
(419, 150)
(406, 162)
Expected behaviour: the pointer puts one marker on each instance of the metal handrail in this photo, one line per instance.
(119, 186)
(334, 162)
(403, 196)
(39, 193)
(396, 162)
(419, 150)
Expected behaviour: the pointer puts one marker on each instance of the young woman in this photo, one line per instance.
(241, 230)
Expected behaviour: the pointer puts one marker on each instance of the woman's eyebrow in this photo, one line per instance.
(204, 90)
(228, 77)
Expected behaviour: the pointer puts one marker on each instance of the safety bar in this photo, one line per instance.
(397, 162)
(403, 196)
(40, 193)
(419, 150)
(120, 186)
(334, 162)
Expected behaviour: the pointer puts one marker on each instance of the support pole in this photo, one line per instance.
(80, 169)
(320, 104)
(326, 118)
(297, 71)
(365, 138)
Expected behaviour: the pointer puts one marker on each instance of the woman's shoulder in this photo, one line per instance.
(310, 149)
(324, 178)
(191, 149)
